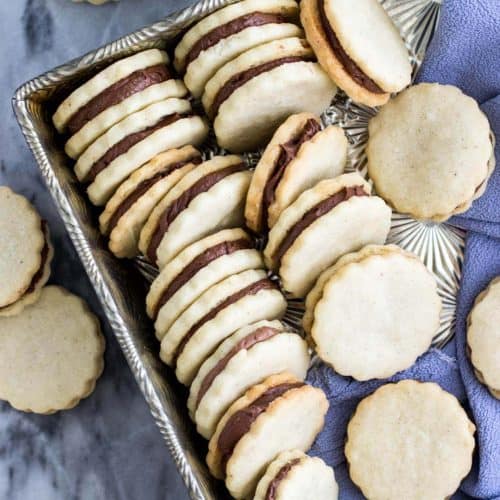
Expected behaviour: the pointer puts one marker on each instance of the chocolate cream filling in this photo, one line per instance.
(199, 262)
(252, 289)
(272, 489)
(260, 335)
(312, 215)
(116, 93)
(288, 152)
(238, 80)
(181, 203)
(231, 28)
(354, 71)
(121, 147)
(143, 187)
(240, 422)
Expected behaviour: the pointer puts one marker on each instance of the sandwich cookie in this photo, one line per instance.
(26, 252)
(378, 311)
(198, 267)
(228, 32)
(129, 208)
(134, 141)
(483, 337)
(51, 354)
(333, 218)
(359, 48)
(209, 198)
(400, 437)
(444, 155)
(294, 475)
(237, 301)
(299, 155)
(280, 414)
(244, 359)
(250, 96)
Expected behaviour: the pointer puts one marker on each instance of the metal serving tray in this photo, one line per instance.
(119, 284)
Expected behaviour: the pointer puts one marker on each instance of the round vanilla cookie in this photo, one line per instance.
(293, 475)
(444, 155)
(199, 266)
(51, 354)
(400, 438)
(328, 233)
(377, 313)
(366, 56)
(292, 163)
(288, 418)
(483, 337)
(247, 357)
(129, 208)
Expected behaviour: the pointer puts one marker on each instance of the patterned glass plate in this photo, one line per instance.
(121, 288)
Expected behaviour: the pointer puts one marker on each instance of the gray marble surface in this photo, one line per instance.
(108, 447)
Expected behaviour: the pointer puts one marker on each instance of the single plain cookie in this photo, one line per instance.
(409, 440)
(198, 267)
(280, 414)
(237, 301)
(244, 359)
(51, 354)
(333, 218)
(360, 49)
(483, 337)
(299, 155)
(377, 313)
(444, 155)
(295, 476)
(129, 208)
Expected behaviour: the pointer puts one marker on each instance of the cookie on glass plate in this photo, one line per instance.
(299, 155)
(360, 48)
(244, 359)
(198, 267)
(241, 299)
(129, 208)
(377, 312)
(280, 414)
(483, 337)
(294, 475)
(333, 218)
(26, 252)
(135, 140)
(51, 354)
(409, 440)
(444, 155)
(250, 96)
(209, 198)
(228, 32)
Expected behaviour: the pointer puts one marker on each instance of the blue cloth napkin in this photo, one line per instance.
(465, 52)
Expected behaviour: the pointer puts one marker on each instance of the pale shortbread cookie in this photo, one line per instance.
(210, 207)
(198, 267)
(51, 354)
(377, 314)
(483, 337)
(290, 420)
(293, 475)
(241, 299)
(322, 156)
(143, 189)
(351, 224)
(104, 79)
(93, 129)
(409, 440)
(444, 153)
(244, 359)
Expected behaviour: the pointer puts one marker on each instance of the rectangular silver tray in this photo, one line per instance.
(120, 286)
